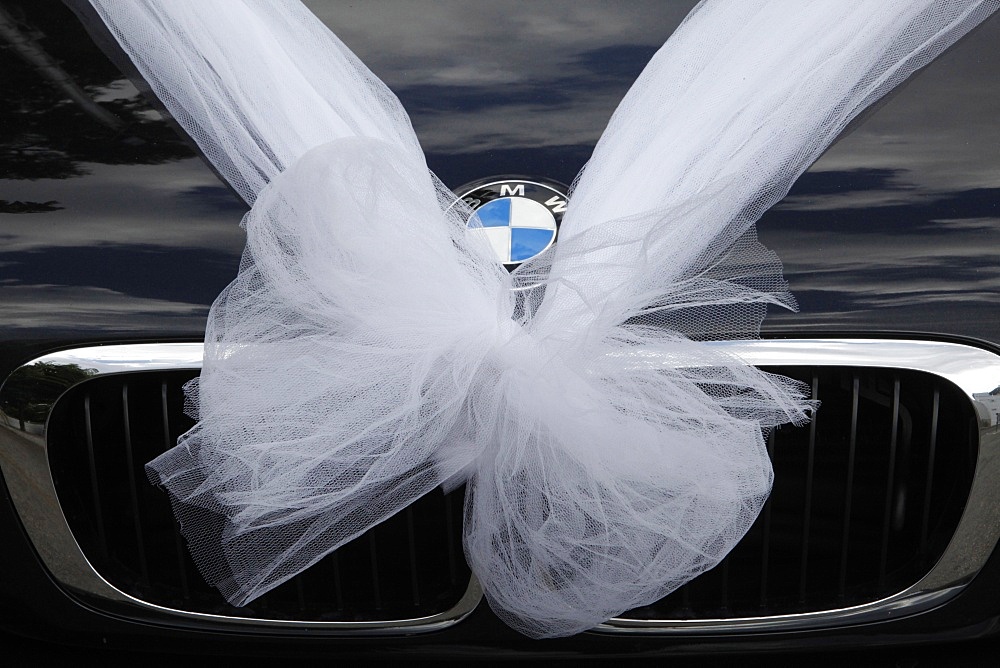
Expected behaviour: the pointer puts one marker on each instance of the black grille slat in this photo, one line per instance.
(411, 545)
(95, 490)
(168, 443)
(849, 489)
(929, 482)
(724, 593)
(338, 587)
(132, 488)
(766, 535)
(450, 529)
(300, 594)
(376, 590)
(890, 486)
(102, 433)
(807, 511)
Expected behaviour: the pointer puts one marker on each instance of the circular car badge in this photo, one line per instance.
(519, 216)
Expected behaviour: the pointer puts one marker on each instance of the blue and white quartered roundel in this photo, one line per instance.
(518, 228)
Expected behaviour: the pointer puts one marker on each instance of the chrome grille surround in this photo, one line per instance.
(23, 462)
(52, 537)
(977, 373)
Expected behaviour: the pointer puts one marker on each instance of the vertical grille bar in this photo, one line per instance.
(88, 420)
(766, 539)
(376, 589)
(929, 483)
(300, 592)
(167, 444)
(338, 585)
(890, 484)
(725, 585)
(845, 535)
(807, 512)
(449, 524)
(133, 491)
(411, 541)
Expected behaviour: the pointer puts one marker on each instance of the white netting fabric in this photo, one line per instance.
(371, 349)
(256, 83)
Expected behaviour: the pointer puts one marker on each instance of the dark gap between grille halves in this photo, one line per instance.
(864, 502)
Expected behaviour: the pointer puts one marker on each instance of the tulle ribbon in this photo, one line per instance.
(372, 348)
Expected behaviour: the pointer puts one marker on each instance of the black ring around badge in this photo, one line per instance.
(520, 216)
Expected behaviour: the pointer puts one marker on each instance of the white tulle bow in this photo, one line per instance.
(371, 348)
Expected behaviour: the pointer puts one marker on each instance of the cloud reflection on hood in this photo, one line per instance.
(895, 227)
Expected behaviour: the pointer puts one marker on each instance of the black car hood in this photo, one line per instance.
(119, 231)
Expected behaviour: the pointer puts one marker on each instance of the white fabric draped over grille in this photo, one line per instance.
(372, 349)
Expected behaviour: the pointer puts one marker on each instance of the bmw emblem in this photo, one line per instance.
(519, 216)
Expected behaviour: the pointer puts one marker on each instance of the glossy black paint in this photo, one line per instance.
(119, 231)
(124, 232)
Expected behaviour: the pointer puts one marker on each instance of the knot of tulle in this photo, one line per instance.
(517, 350)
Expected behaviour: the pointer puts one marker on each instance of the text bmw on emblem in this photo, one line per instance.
(520, 217)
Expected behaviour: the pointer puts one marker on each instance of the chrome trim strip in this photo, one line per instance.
(24, 465)
(975, 371)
